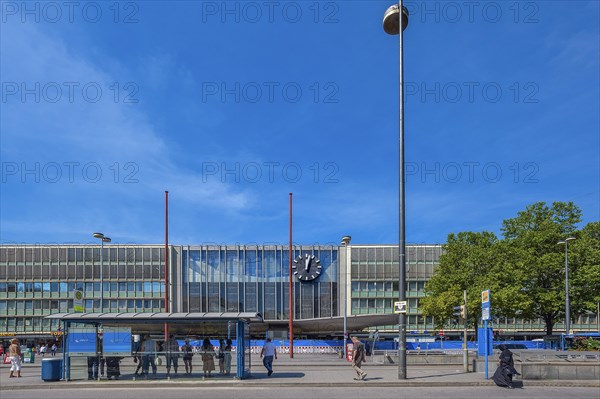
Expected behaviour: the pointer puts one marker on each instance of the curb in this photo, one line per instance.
(258, 384)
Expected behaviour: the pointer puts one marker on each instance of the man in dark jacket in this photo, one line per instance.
(358, 357)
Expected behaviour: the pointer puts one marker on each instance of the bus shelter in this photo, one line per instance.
(102, 335)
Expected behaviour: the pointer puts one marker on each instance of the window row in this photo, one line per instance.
(112, 252)
(140, 287)
(21, 324)
(237, 264)
(269, 299)
(381, 303)
(385, 286)
(12, 307)
(390, 271)
(390, 254)
(82, 271)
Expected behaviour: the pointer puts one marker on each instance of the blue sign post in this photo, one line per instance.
(485, 316)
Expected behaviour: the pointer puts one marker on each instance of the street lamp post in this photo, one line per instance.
(394, 25)
(567, 300)
(102, 239)
(345, 243)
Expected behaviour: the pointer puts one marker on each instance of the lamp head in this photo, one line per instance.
(391, 20)
(98, 235)
(346, 240)
(566, 240)
(106, 239)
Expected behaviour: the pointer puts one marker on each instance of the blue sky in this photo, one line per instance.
(233, 105)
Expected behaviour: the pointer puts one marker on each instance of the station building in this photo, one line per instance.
(328, 280)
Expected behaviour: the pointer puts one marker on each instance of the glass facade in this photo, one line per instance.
(256, 279)
(36, 281)
(375, 280)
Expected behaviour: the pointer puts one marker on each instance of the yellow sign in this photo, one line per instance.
(78, 301)
(485, 296)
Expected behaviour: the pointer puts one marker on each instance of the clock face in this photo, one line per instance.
(306, 267)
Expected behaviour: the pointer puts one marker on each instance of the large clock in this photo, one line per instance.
(306, 267)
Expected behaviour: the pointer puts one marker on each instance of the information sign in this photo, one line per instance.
(400, 307)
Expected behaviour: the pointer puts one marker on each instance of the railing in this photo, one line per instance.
(549, 356)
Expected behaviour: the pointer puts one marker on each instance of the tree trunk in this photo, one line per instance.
(549, 320)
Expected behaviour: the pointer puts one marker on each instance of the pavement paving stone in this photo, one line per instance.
(309, 370)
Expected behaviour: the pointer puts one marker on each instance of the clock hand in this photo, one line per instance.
(306, 263)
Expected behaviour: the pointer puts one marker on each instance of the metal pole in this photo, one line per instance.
(101, 275)
(291, 288)
(401, 210)
(345, 243)
(567, 303)
(166, 262)
(345, 301)
(598, 317)
(465, 350)
(487, 344)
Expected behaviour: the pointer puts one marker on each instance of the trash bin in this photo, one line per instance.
(52, 369)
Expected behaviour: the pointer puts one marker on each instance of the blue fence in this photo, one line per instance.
(331, 346)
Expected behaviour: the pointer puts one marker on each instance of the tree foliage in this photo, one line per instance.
(525, 270)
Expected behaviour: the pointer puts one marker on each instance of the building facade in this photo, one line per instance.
(39, 280)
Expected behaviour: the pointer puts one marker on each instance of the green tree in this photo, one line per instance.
(532, 238)
(584, 262)
(466, 258)
(524, 270)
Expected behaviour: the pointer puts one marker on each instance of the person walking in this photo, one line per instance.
(137, 358)
(53, 349)
(172, 349)
(268, 352)
(208, 361)
(506, 368)
(188, 352)
(14, 351)
(358, 357)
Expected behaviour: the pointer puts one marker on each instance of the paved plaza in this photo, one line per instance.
(303, 370)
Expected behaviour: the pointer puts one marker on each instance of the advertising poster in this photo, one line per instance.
(117, 341)
(82, 341)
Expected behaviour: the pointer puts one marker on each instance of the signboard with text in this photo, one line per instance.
(485, 305)
(400, 307)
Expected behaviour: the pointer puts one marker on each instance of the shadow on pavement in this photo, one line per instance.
(281, 374)
(435, 375)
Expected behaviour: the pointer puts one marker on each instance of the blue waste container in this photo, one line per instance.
(52, 369)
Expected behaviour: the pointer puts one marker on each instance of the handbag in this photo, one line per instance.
(157, 360)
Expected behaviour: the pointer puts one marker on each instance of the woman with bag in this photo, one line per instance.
(14, 351)
(208, 353)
